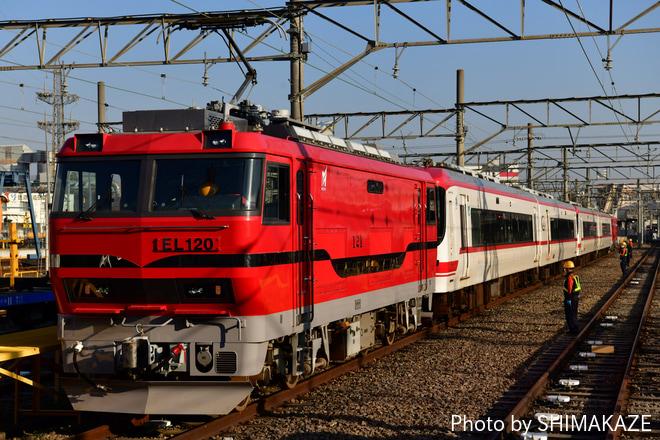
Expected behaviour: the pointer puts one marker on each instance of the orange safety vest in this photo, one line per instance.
(572, 285)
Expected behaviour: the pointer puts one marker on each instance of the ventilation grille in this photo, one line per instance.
(225, 362)
(213, 120)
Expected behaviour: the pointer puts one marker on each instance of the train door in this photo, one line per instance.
(304, 242)
(537, 234)
(578, 234)
(548, 237)
(465, 255)
(450, 227)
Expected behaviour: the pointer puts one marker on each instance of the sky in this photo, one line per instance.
(494, 71)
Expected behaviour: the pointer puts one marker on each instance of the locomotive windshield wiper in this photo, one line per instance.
(85, 215)
(200, 211)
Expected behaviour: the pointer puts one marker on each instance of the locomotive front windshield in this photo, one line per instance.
(200, 186)
(85, 187)
(206, 184)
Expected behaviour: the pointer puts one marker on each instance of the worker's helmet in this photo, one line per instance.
(569, 265)
(208, 189)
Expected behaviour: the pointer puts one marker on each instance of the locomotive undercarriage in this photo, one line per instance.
(299, 355)
(211, 366)
(158, 365)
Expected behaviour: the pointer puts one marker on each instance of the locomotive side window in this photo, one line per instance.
(276, 194)
(430, 206)
(375, 187)
(300, 193)
(102, 186)
(497, 227)
(209, 184)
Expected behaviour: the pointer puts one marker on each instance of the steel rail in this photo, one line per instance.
(622, 397)
(536, 390)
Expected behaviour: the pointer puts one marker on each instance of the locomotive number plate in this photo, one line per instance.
(197, 244)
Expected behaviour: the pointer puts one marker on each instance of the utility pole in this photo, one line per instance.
(565, 158)
(641, 228)
(587, 189)
(58, 127)
(530, 156)
(295, 32)
(100, 88)
(460, 114)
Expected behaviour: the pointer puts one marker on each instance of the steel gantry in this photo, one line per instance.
(64, 43)
(194, 28)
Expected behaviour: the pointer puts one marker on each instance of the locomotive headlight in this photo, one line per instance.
(87, 143)
(216, 139)
(193, 292)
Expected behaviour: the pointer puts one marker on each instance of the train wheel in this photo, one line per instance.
(390, 334)
(289, 381)
(389, 338)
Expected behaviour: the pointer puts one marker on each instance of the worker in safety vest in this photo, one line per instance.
(624, 256)
(571, 296)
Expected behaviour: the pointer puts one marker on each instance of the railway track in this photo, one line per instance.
(642, 394)
(582, 393)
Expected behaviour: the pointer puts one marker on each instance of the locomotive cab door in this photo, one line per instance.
(304, 242)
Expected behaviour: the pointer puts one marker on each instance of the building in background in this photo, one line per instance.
(18, 162)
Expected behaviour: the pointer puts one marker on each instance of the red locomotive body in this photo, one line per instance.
(206, 261)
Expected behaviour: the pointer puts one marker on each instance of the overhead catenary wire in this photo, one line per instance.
(383, 94)
(600, 83)
(401, 99)
(350, 81)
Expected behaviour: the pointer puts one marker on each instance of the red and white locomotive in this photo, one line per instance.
(204, 254)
